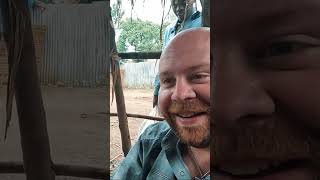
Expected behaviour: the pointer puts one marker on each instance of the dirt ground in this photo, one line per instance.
(77, 131)
(138, 101)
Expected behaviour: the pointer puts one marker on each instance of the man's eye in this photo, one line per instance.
(287, 45)
(167, 81)
(200, 77)
(282, 48)
(290, 52)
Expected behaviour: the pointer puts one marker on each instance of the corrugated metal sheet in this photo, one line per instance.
(76, 44)
(139, 75)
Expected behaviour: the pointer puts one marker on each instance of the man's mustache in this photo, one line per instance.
(281, 141)
(193, 105)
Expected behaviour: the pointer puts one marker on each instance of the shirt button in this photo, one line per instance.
(181, 173)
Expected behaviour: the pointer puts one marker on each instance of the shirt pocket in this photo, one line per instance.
(157, 174)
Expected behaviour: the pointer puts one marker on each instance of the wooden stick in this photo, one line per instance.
(137, 116)
(121, 106)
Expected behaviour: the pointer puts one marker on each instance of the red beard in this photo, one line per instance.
(197, 136)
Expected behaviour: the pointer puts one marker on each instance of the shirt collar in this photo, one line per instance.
(195, 15)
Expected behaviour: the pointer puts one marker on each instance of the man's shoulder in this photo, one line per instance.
(156, 131)
(140, 160)
(170, 27)
(196, 15)
(195, 20)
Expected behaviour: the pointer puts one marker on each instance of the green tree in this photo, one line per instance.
(141, 35)
(117, 12)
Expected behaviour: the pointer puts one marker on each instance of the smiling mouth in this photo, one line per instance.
(180, 14)
(262, 170)
(190, 114)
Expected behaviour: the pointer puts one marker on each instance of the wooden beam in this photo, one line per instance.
(137, 116)
(81, 171)
(60, 170)
(24, 83)
(121, 106)
(140, 55)
(122, 115)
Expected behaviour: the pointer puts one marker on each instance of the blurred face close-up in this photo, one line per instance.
(182, 8)
(184, 97)
(267, 100)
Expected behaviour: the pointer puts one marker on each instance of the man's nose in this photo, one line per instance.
(180, 8)
(240, 98)
(183, 90)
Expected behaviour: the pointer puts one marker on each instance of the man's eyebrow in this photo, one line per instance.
(199, 67)
(280, 17)
(193, 68)
(165, 73)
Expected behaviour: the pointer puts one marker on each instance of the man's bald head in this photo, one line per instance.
(189, 42)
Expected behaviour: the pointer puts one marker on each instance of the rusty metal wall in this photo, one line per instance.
(76, 44)
(139, 75)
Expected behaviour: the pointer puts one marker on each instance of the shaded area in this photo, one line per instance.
(77, 133)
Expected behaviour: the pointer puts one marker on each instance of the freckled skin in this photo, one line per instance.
(267, 69)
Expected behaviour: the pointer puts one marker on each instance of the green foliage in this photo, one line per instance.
(142, 35)
(117, 12)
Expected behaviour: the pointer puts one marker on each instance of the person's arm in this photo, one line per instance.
(155, 101)
(156, 90)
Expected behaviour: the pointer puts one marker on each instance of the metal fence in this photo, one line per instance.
(76, 44)
(139, 75)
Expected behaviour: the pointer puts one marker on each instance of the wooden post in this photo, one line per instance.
(24, 82)
(206, 12)
(140, 55)
(121, 109)
(121, 106)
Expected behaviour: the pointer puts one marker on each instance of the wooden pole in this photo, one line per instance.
(136, 116)
(206, 12)
(121, 107)
(25, 83)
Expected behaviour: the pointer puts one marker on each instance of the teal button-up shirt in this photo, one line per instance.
(156, 155)
(195, 20)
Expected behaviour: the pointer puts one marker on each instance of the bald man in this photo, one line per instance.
(178, 148)
(267, 100)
